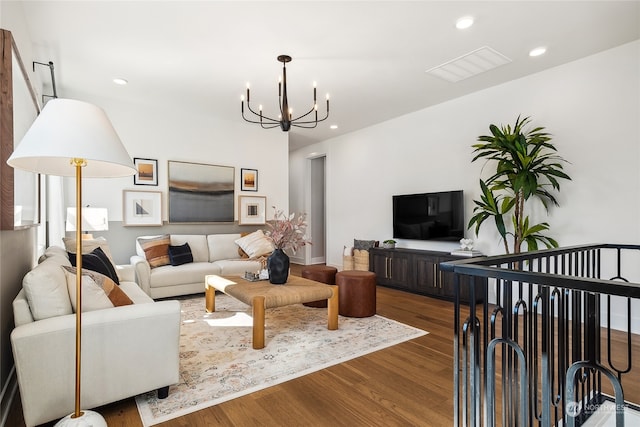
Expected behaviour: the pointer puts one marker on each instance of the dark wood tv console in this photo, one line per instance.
(418, 271)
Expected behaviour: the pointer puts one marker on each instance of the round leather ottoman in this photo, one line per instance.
(322, 274)
(357, 293)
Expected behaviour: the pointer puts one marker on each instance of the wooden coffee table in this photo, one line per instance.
(261, 295)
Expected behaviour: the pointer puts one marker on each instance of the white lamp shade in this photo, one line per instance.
(93, 219)
(68, 129)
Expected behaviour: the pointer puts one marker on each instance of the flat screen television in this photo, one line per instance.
(429, 216)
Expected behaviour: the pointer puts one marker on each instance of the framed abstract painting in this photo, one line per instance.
(200, 193)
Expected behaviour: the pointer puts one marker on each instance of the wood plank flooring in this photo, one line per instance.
(409, 384)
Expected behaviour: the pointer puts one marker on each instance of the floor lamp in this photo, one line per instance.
(74, 138)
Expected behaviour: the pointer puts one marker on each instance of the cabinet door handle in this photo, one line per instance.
(435, 276)
(390, 267)
(386, 267)
(440, 278)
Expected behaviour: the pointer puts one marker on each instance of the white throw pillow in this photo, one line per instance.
(88, 245)
(45, 287)
(256, 244)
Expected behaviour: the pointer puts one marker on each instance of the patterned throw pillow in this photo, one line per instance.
(98, 291)
(97, 261)
(363, 244)
(255, 244)
(156, 249)
(179, 255)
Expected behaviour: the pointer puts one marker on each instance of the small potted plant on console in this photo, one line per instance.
(389, 244)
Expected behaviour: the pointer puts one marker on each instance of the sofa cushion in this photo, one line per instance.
(46, 291)
(233, 267)
(179, 255)
(97, 261)
(197, 243)
(256, 244)
(52, 251)
(88, 245)
(223, 246)
(156, 249)
(98, 291)
(133, 291)
(194, 272)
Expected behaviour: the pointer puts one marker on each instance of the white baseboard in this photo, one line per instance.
(9, 391)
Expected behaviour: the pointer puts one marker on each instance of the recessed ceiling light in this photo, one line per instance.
(333, 127)
(538, 51)
(464, 22)
(119, 81)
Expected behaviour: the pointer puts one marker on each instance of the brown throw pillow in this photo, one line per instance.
(156, 249)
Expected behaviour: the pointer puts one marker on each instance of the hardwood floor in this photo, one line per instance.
(406, 384)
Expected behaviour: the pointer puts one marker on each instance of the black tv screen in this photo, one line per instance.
(429, 216)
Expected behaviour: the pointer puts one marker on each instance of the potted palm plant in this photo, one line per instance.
(527, 167)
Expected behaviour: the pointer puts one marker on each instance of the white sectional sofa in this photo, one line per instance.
(212, 254)
(126, 350)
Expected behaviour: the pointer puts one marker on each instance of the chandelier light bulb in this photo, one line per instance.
(242, 98)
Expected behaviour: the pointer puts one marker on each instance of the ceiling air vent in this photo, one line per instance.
(469, 65)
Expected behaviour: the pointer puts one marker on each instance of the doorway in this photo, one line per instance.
(317, 193)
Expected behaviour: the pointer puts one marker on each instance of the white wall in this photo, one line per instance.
(591, 107)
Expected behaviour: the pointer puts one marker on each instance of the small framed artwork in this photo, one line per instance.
(141, 207)
(252, 210)
(146, 171)
(249, 179)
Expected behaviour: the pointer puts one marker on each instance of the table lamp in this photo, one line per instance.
(74, 138)
(93, 219)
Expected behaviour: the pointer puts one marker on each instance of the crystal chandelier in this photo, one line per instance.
(285, 120)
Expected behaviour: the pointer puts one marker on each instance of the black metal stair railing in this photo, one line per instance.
(531, 354)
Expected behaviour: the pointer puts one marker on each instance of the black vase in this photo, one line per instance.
(278, 267)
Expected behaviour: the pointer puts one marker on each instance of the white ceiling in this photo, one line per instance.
(371, 56)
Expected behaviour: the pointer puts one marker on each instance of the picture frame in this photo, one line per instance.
(141, 208)
(252, 210)
(248, 179)
(146, 171)
(201, 193)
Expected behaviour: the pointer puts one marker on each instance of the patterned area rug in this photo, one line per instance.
(217, 362)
